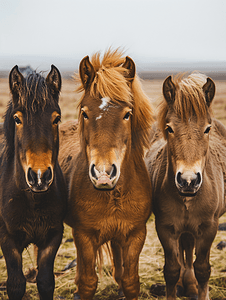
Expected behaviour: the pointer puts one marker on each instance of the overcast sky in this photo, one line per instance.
(149, 30)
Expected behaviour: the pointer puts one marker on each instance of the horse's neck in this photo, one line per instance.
(216, 163)
(157, 163)
(161, 173)
(133, 167)
(15, 171)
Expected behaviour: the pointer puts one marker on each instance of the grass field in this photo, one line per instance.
(151, 259)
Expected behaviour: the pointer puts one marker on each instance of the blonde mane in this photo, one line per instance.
(189, 99)
(111, 81)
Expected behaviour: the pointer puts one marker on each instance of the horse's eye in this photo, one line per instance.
(207, 129)
(127, 115)
(17, 120)
(169, 129)
(85, 115)
(57, 120)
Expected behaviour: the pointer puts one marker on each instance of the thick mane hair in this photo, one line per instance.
(111, 81)
(34, 93)
(189, 99)
(9, 131)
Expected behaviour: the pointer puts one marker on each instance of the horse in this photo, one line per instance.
(1, 138)
(109, 188)
(33, 194)
(186, 162)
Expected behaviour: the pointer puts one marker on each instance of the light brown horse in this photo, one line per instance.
(109, 187)
(187, 167)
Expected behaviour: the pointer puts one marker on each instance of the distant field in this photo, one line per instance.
(151, 260)
(153, 89)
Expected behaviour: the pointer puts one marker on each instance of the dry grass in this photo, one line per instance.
(151, 259)
(150, 269)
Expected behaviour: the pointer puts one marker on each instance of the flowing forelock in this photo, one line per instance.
(109, 80)
(34, 94)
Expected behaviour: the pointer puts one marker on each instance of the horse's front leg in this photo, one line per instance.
(45, 261)
(201, 264)
(118, 265)
(172, 266)
(16, 282)
(131, 252)
(189, 280)
(86, 277)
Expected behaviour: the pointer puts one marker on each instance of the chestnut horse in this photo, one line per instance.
(187, 167)
(33, 193)
(109, 187)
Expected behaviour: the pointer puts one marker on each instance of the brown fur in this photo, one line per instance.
(181, 219)
(1, 138)
(69, 143)
(33, 194)
(109, 136)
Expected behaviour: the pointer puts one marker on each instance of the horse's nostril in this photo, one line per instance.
(32, 177)
(47, 176)
(182, 182)
(179, 179)
(93, 173)
(197, 180)
(113, 171)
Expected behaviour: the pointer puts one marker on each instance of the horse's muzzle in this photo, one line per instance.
(104, 180)
(188, 183)
(39, 181)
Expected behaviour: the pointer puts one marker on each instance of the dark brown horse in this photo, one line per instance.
(109, 188)
(32, 188)
(187, 166)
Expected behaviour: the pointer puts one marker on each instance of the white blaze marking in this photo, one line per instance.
(100, 116)
(39, 173)
(104, 103)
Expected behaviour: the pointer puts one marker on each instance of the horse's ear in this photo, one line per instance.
(209, 90)
(15, 80)
(169, 90)
(53, 80)
(86, 72)
(131, 69)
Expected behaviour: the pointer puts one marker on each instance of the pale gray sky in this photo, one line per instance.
(149, 30)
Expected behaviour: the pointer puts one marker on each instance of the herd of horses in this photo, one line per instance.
(106, 177)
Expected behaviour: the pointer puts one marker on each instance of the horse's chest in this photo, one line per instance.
(114, 219)
(116, 224)
(30, 225)
(188, 206)
(187, 218)
(113, 228)
(123, 209)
